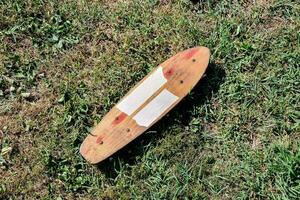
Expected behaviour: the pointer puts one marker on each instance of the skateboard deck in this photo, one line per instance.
(146, 103)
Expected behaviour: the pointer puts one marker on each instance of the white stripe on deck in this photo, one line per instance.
(155, 108)
(145, 90)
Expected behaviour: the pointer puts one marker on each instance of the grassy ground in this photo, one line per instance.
(64, 64)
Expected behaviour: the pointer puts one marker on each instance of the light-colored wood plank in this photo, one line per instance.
(117, 129)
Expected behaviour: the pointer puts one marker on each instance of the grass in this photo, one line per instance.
(64, 64)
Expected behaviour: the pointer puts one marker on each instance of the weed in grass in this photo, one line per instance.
(18, 77)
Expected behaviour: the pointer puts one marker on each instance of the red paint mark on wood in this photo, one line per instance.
(99, 139)
(190, 53)
(87, 151)
(119, 118)
(169, 72)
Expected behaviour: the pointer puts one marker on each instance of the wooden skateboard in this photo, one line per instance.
(146, 103)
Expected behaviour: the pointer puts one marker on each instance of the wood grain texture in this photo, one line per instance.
(117, 129)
